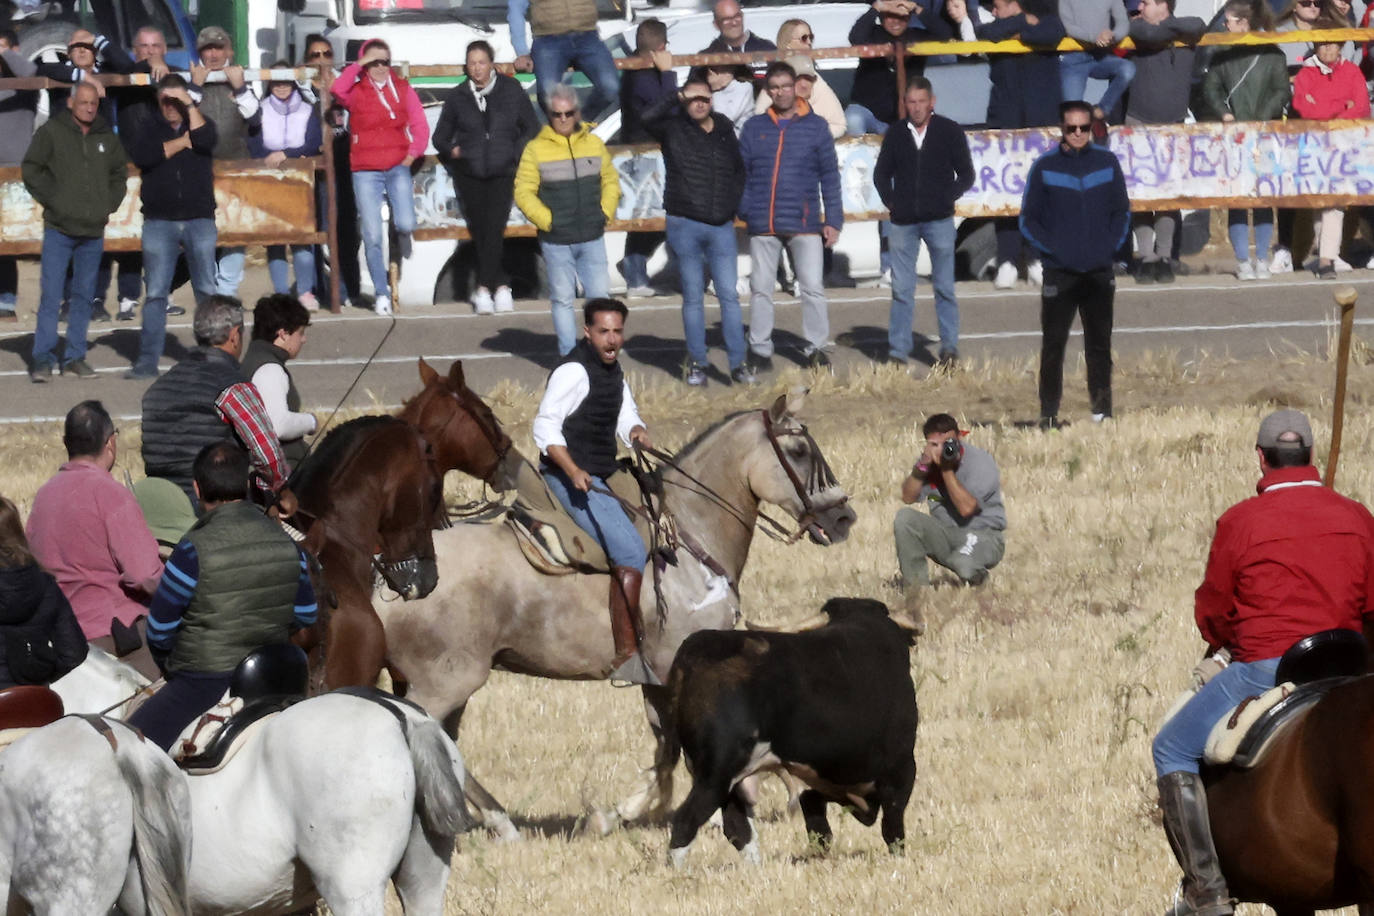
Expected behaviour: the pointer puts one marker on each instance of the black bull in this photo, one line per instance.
(834, 706)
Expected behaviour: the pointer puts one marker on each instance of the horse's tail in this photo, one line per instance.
(439, 771)
(162, 824)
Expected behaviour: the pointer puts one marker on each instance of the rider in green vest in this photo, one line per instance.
(234, 583)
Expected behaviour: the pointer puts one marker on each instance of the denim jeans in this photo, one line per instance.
(639, 247)
(700, 246)
(808, 256)
(229, 270)
(553, 54)
(1238, 228)
(1179, 745)
(163, 242)
(566, 266)
(904, 242)
(601, 516)
(82, 255)
(1076, 67)
(370, 189)
(859, 121)
(302, 259)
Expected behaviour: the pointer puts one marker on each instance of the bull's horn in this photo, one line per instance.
(811, 623)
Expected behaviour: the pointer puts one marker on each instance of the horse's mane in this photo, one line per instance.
(337, 446)
(705, 434)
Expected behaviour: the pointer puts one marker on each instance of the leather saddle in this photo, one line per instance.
(24, 708)
(549, 539)
(1308, 671)
(267, 681)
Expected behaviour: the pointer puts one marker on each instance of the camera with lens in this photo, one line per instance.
(949, 451)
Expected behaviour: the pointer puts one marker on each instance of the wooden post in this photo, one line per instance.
(331, 193)
(1345, 298)
(900, 51)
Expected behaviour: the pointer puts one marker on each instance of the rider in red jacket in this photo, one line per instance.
(1292, 561)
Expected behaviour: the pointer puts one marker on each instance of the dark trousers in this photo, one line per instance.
(1010, 241)
(180, 702)
(130, 280)
(350, 272)
(486, 208)
(1089, 295)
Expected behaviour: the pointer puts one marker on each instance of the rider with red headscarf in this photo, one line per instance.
(1292, 561)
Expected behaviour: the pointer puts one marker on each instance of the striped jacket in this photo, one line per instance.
(1075, 210)
(567, 186)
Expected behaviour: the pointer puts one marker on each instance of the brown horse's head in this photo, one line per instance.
(375, 484)
(460, 426)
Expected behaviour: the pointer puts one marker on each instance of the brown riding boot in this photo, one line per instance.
(1184, 803)
(627, 628)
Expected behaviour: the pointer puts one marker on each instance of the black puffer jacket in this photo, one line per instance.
(705, 172)
(37, 625)
(489, 141)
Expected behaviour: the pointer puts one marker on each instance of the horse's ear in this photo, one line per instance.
(455, 376)
(427, 374)
(779, 409)
(788, 405)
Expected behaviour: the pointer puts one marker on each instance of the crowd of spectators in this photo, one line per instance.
(490, 140)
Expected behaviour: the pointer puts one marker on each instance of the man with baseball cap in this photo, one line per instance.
(235, 111)
(1294, 560)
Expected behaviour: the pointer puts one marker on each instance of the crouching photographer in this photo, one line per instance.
(963, 530)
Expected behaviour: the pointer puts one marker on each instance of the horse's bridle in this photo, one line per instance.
(820, 479)
(493, 436)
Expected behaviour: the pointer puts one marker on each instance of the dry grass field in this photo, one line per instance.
(1038, 691)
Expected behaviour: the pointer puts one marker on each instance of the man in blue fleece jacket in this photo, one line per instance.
(1076, 214)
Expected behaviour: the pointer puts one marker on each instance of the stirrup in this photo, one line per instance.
(634, 671)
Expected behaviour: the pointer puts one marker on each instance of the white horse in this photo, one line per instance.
(92, 816)
(329, 799)
(101, 684)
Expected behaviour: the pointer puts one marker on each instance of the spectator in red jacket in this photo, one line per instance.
(387, 125)
(1328, 88)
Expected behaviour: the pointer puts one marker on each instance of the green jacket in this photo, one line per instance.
(1250, 83)
(558, 17)
(567, 186)
(245, 593)
(79, 179)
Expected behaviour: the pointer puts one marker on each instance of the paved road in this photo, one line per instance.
(1208, 314)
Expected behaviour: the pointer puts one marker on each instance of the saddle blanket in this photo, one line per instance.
(548, 537)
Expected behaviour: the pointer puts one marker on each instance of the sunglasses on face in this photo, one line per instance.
(1077, 128)
(698, 98)
(380, 63)
(563, 114)
(80, 46)
(317, 55)
(808, 37)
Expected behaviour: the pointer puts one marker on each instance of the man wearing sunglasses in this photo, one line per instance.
(1076, 214)
(566, 185)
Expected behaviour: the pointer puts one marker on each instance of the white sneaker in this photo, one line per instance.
(382, 306)
(481, 301)
(503, 302)
(127, 308)
(1281, 262)
(1099, 417)
(1006, 276)
(1342, 265)
(1035, 273)
(640, 292)
(1245, 270)
(309, 301)
(1261, 270)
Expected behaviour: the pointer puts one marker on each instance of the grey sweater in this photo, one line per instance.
(1163, 74)
(16, 109)
(1084, 19)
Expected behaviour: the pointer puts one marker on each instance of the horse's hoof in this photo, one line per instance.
(502, 829)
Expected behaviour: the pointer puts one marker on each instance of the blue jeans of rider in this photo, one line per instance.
(60, 251)
(602, 517)
(566, 266)
(904, 242)
(1178, 746)
(163, 242)
(396, 188)
(553, 54)
(697, 246)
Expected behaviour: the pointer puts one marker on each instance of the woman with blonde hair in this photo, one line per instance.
(40, 640)
(810, 87)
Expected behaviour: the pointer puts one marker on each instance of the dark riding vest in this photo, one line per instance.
(590, 429)
(245, 594)
(259, 354)
(179, 416)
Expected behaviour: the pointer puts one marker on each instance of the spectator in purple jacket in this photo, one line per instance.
(784, 186)
(290, 130)
(641, 90)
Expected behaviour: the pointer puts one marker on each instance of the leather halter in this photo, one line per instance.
(493, 436)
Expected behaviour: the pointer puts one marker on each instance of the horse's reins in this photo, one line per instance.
(148, 688)
(319, 433)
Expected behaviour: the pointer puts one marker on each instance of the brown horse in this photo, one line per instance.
(1297, 831)
(373, 492)
(493, 610)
